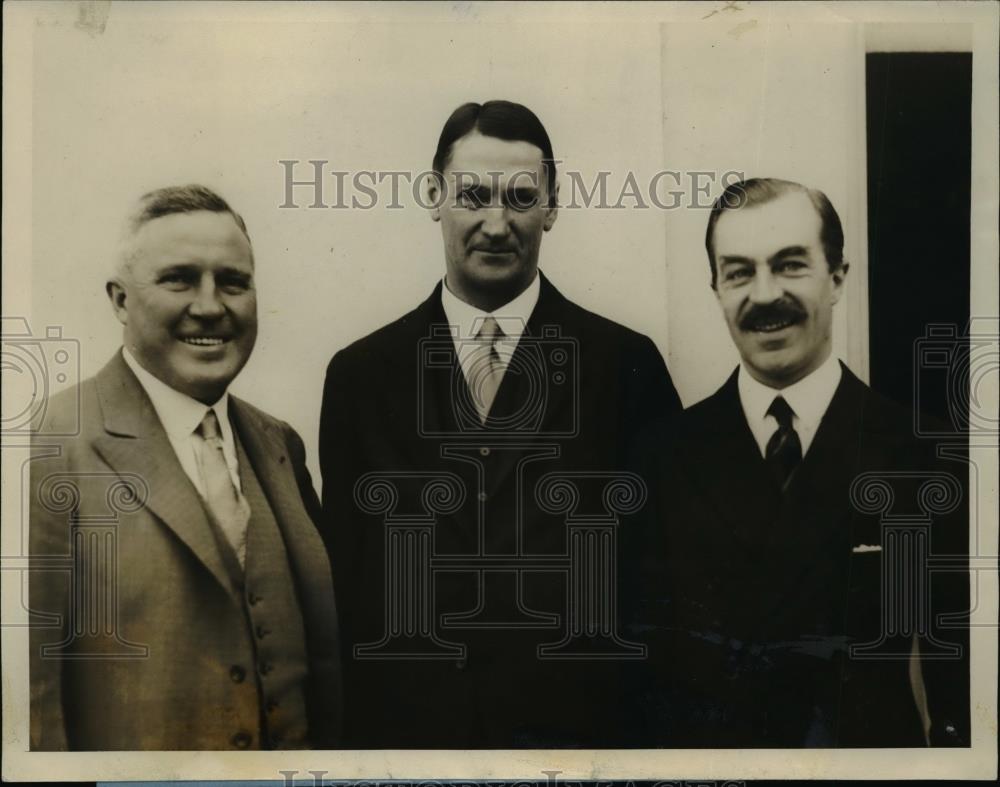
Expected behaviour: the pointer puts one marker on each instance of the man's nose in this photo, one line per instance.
(207, 303)
(496, 222)
(765, 287)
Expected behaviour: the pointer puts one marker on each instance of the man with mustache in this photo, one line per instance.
(199, 611)
(766, 575)
(493, 383)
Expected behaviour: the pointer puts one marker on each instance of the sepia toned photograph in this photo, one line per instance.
(491, 391)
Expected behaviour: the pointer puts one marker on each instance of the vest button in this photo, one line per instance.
(265, 668)
(237, 674)
(262, 632)
(242, 740)
(252, 599)
(461, 664)
(272, 706)
(482, 497)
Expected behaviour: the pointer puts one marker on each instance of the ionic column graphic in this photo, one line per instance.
(592, 573)
(409, 609)
(907, 610)
(93, 625)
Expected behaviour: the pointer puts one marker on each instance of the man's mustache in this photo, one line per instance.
(771, 313)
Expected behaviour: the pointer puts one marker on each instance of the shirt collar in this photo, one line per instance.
(178, 412)
(809, 397)
(512, 317)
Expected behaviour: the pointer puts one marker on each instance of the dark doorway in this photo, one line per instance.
(919, 181)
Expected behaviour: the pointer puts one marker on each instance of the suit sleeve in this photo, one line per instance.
(338, 454)
(652, 394)
(48, 601)
(946, 681)
(297, 453)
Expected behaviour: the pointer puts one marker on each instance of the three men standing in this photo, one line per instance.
(458, 445)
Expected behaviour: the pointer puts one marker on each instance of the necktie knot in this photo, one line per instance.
(209, 426)
(782, 412)
(489, 331)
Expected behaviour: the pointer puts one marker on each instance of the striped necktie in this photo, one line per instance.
(226, 503)
(486, 369)
(784, 450)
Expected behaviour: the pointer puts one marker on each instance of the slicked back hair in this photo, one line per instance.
(758, 191)
(501, 119)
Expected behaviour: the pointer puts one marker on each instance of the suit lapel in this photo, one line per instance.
(135, 442)
(522, 390)
(720, 451)
(266, 450)
(825, 475)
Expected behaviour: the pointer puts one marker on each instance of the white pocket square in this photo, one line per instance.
(867, 548)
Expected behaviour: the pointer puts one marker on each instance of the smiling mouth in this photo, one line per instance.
(771, 327)
(204, 341)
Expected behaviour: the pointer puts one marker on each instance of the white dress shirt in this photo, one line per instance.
(466, 320)
(181, 416)
(809, 398)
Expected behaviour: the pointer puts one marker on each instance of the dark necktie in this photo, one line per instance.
(784, 450)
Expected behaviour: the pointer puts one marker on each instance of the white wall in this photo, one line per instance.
(772, 98)
(220, 94)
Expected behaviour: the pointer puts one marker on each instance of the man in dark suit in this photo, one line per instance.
(456, 443)
(182, 596)
(788, 613)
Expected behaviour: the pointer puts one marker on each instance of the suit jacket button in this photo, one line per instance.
(237, 674)
(264, 668)
(461, 664)
(242, 740)
(262, 632)
(272, 706)
(484, 451)
(482, 497)
(252, 599)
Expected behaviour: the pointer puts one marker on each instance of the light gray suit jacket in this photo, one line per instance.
(140, 655)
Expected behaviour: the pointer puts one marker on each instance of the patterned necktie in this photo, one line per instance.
(486, 369)
(784, 450)
(228, 505)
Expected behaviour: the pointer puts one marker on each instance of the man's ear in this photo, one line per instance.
(552, 212)
(435, 195)
(116, 294)
(838, 277)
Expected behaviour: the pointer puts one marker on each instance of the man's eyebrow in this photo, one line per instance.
(790, 251)
(735, 259)
(177, 267)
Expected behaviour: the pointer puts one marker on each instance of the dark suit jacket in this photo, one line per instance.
(577, 389)
(163, 681)
(756, 597)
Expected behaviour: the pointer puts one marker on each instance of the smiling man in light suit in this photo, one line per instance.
(216, 627)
